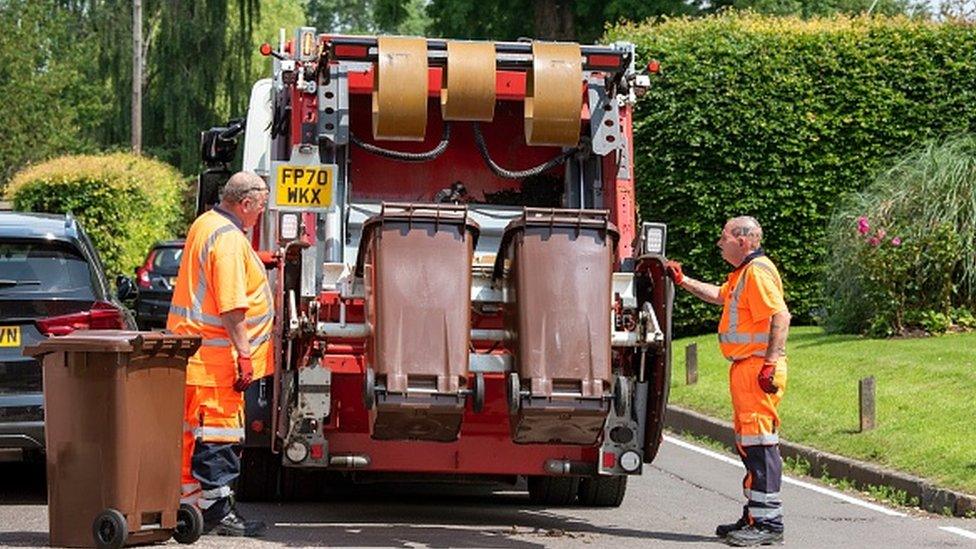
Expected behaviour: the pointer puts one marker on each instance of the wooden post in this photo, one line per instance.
(866, 393)
(691, 364)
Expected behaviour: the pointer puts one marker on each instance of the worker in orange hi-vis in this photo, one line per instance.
(752, 335)
(222, 294)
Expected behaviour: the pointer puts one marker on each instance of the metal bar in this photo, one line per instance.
(866, 397)
(691, 364)
(509, 55)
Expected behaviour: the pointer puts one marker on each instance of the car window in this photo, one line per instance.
(44, 268)
(167, 259)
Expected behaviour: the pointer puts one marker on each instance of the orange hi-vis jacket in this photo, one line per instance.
(220, 272)
(752, 294)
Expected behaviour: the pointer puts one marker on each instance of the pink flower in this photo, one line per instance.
(874, 241)
(896, 241)
(862, 225)
(881, 234)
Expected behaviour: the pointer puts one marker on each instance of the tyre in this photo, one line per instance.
(109, 530)
(260, 470)
(602, 491)
(369, 389)
(189, 524)
(514, 393)
(553, 490)
(479, 393)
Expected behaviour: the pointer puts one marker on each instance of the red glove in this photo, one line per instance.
(673, 270)
(269, 258)
(766, 378)
(245, 373)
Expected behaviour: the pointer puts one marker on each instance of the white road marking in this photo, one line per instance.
(958, 531)
(819, 489)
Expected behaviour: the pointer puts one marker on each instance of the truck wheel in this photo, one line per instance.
(621, 396)
(514, 393)
(189, 524)
(553, 490)
(369, 389)
(602, 491)
(479, 393)
(110, 530)
(258, 480)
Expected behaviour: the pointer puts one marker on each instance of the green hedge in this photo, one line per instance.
(125, 202)
(776, 118)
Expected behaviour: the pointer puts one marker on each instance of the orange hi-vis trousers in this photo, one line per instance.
(756, 423)
(213, 430)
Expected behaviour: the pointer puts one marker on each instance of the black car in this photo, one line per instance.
(51, 283)
(155, 280)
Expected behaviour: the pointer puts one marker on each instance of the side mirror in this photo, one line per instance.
(126, 288)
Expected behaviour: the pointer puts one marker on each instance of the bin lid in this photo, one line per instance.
(553, 218)
(118, 341)
(423, 214)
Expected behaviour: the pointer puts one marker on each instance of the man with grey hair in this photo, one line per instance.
(222, 295)
(752, 335)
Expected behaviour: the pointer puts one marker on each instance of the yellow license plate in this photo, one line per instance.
(304, 186)
(9, 336)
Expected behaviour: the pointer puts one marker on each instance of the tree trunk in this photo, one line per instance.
(553, 20)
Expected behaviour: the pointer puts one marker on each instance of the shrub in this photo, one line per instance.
(777, 118)
(903, 252)
(125, 202)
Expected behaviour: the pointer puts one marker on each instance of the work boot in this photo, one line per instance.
(233, 524)
(753, 535)
(725, 529)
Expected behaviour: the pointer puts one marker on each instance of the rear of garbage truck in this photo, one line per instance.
(466, 292)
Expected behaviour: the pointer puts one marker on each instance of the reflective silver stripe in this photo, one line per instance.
(216, 493)
(757, 440)
(731, 334)
(221, 432)
(189, 488)
(728, 337)
(215, 342)
(256, 320)
(765, 512)
(761, 354)
(761, 497)
(260, 339)
(196, 298)
(192, 499)
(209, 320)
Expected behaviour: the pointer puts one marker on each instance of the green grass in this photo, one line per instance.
(926, 399)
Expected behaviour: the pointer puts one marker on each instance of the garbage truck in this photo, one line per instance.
(465, 291)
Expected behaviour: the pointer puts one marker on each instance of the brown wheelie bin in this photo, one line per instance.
(113, 413)
(415, 260)
(559, 265)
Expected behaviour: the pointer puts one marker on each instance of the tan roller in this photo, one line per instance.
(468, 84)
(554, 95)
(400, 89)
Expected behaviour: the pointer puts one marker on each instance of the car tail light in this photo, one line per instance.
(102, 316)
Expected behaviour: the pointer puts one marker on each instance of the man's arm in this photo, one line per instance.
(702, 290)
(233, 322)
(779, 328)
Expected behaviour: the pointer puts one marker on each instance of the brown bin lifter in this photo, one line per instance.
(415, 260)
(113, 413)
(560, 272)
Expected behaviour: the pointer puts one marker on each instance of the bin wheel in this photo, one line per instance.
(369, 389)
(621, 396)
(189, 524)
(514, 393)
(479, 393)
(110, 530)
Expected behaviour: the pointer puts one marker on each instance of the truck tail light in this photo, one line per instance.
(102, 316)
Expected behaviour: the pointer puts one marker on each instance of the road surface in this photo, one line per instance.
(676, 503)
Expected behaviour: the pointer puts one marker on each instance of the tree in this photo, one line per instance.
(51, 103)
(406, 17)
